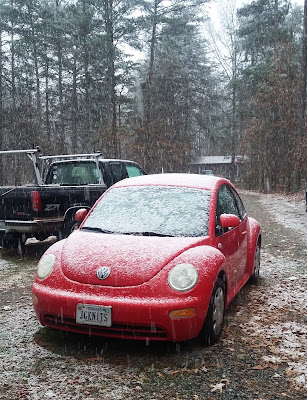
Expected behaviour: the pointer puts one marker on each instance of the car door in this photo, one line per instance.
(232, 242)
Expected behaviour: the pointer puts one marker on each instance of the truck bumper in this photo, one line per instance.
(31, 227)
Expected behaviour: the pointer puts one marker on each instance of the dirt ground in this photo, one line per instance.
(261, 356)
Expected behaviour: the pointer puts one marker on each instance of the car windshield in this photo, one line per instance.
(152, 211)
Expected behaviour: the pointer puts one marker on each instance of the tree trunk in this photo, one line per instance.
(47, 105)
(148, 100)
(1, 106)
(36, 69)
(304, 70)
(61, 147)
(74, 108)
(13, 74)
(297, 171)
(112, 117)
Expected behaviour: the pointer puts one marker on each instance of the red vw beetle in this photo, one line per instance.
(158, 257)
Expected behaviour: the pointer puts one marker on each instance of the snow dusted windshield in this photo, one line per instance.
(152, 211)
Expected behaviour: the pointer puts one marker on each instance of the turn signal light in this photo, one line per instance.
(34, 299)
(184, 313)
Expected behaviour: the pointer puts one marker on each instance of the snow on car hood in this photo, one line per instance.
(132, 260)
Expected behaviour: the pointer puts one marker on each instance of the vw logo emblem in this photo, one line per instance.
(103, 272)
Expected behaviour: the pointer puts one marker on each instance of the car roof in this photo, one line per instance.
(174, 179)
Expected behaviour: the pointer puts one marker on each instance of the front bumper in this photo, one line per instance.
(134, 316)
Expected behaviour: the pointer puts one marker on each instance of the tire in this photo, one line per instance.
(254, 279)
(69, 225)
(214, 322)
(8, 244)
(16, 242)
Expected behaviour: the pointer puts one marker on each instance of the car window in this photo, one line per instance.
(239, 203)
(226, 204)
(133, 170)
(162, 211)
(118, 171)
(106, 173)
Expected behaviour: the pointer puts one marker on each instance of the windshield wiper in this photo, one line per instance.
(91, 228)
(96, 229)
(146, 234)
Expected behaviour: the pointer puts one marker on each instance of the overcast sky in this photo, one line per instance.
(215, 5)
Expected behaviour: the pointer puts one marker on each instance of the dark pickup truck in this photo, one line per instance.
(65, 183)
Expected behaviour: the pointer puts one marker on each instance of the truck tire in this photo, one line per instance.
(69, 225)
(12, 243)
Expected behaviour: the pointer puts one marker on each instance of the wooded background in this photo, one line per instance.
(149, 80)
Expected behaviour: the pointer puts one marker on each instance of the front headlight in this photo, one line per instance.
(183, 277)
(45, 266)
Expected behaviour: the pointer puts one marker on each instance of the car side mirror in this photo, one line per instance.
(229, 220)
(81, 214)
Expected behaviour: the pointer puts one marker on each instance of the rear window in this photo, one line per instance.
(73, 173)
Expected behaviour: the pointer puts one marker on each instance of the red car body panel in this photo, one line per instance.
(127, 264)
(137, 288)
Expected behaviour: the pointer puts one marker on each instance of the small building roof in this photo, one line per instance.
(212, 160)
(216, 160)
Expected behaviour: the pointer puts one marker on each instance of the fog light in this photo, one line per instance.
(185, 313)
(34, 299)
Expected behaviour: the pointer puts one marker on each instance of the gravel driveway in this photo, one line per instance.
(261, 356)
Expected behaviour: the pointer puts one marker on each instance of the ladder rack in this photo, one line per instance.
(31, 153)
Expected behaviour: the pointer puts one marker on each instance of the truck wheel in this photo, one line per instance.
(8, 244)
(12, 243)
(69, 225)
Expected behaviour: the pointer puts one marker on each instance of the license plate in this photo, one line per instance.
(94, 315)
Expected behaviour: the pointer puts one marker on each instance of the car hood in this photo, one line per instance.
(132, 260)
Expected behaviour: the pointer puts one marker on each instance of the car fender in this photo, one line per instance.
(207, 259)
(209, 262)
(56, 249)
(254, 234)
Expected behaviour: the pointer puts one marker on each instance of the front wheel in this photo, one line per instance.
(214, 322)
(256, 271)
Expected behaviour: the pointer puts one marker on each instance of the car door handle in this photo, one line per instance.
(243, 233)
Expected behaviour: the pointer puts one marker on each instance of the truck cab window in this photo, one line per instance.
(119, 172)
(133, 170)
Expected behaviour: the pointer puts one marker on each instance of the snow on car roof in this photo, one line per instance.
(174, 179)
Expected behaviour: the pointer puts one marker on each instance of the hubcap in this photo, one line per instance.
(257, 262)
(218, 311)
